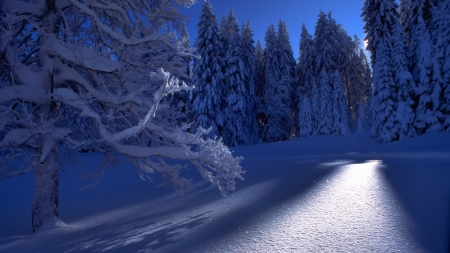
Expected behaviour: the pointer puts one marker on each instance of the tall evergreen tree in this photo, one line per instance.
(384, 123)
(305, 66)
(341, 126)
(441, 37)
(259, 86)
(390, 73)
(315, 106)
(248, 58)
(278, 112)
(207, 74)
(325, 116)
(305, 117)
(182, 99)
(325, 64)
(287, 73)
(235, 131)
(426, 72)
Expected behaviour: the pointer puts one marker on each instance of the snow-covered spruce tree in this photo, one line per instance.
(90, 62)
(207, 97)
(305, 118)
(383, 31)
(275, 93)
(259, 86)
(341, 125)
(425, 70)
(235, 131)
(315, 106)
(405, 83)
(182, 99)
(441, 36)
(355, 76)
(287, 73)
(325, 64)
(325, 118)
(305, 65)
(248, 58)
(384, 123)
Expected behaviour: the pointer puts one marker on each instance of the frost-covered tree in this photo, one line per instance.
(426, 72)
(315, 106)
(325, 65)
(404, 81)
(441, 37)
(287, 72)
(305, 118)
(384, 103)
(259, 86)
(305, 66)
(76, 75)
(325, 116)
(235, 131)
(182, 98)
(276, 94)
(391, 82)
(248, 58)
(207, 98)
(341, 125)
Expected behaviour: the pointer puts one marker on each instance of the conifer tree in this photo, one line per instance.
(249, 61)
(287, 73)
(426, 72)
(207, 74)
(278, 111)
(259, 86)
(384, 123)
(390, 72)
(305, 122)
(305, 66)
(341, 126)
(315, 106)
(441, 35)
(235, 131)
(325, 116)
(325, 63)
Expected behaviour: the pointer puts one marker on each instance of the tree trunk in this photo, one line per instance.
(45, 204)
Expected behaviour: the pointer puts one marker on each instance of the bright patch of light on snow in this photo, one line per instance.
(335, 163)
(353, 210)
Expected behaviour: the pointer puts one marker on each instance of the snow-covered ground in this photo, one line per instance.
(315, 194)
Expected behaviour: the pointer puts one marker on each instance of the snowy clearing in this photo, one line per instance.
(315, 194)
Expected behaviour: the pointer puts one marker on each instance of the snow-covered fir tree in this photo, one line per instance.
(341, 125)
(305, 65)
(182, 99)
(441, 38)
(325, 115)
(325, 64)
(287, 73)
(67, 89)
(259, 86)
(315, 106)
(248, 58)
(207, 97)
(235, 131)
(426, 72)
(276, 94)
(405, 83)
(386, 45)
(305, 118)
(384, 123)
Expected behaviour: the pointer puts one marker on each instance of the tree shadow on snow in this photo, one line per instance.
(132, 235)
(423, 187)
